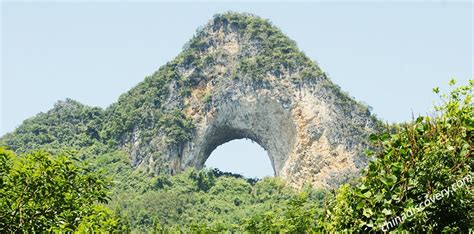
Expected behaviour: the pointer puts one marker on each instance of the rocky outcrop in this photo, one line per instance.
(262, 88)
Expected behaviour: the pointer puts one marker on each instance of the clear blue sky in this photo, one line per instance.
(388, 55)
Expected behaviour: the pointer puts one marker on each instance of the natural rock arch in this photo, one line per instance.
(264, 121)
(307, 139)
(241, 77)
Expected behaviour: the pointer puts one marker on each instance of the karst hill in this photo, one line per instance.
(238, 77)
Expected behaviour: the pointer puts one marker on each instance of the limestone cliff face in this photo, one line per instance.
(240, 77)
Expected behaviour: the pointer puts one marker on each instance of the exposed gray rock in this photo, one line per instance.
(313, 132)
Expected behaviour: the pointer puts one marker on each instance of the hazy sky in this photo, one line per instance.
(388, 55)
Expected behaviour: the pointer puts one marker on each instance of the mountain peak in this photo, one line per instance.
(242, 77)
(238, 21)
(252, 45)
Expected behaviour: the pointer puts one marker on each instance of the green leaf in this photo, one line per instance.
(386, 212)
(373, 137)
(452, 82)
(367, 194)
(420, 119)
(385, 136)
(389, 180)
(367, 212)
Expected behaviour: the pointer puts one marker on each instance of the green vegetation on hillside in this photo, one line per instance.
(141, 108)
(210, 201)
(277, 54)
(412, 164)
(69, 124)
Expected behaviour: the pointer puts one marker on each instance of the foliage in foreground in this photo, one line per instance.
(40, 192)
(421, 178)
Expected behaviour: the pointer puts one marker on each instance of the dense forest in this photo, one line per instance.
(58, 179)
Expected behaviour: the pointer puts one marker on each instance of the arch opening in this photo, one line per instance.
(262, 120)
(241, 156)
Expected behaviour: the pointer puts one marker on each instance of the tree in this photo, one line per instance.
(41, 192)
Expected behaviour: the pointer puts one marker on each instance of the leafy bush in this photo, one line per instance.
(41, 192)
(415, 166)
